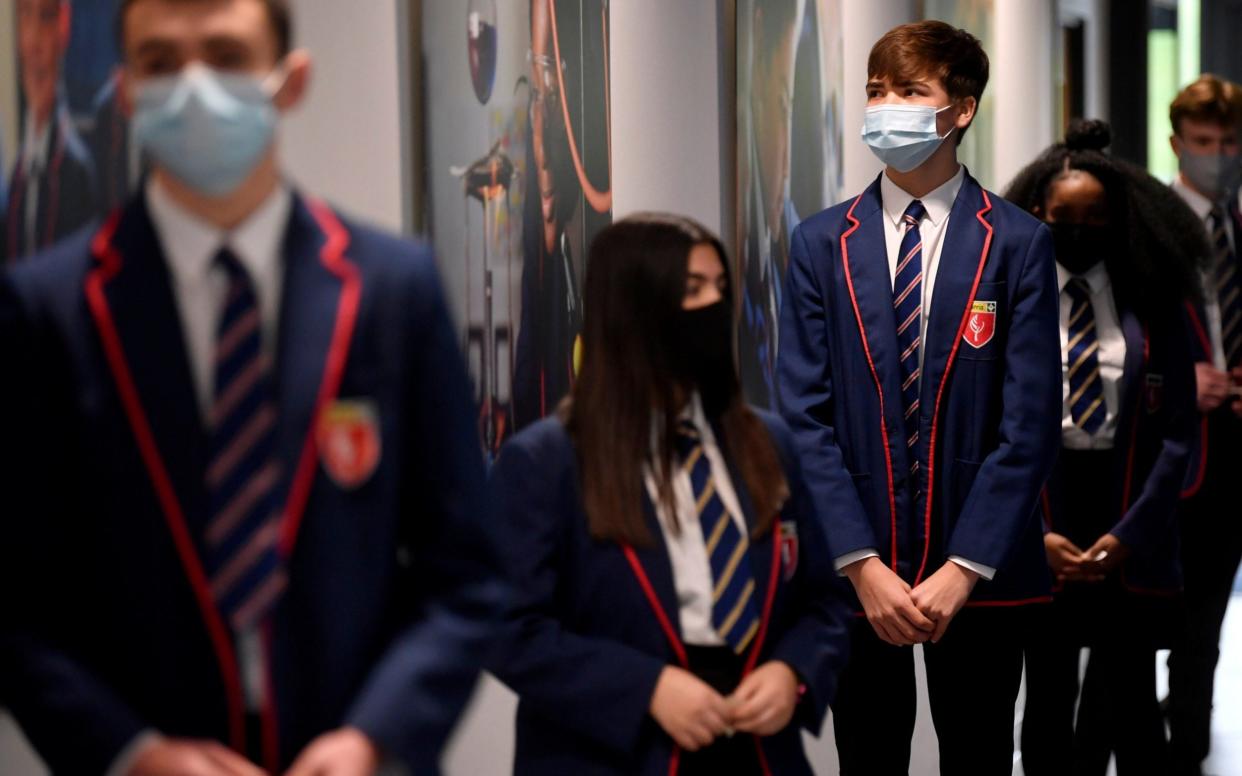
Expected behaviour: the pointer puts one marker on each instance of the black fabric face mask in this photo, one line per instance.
(1080, 247)
(703, 351)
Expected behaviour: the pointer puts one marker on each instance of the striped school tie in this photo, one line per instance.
(908, 308)
(734, 614)
(1082, 353)
(241, 537)
(1228, 289)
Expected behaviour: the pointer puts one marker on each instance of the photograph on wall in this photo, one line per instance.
(72, 159)
(789, 82)
(519, 183)
(974, 16)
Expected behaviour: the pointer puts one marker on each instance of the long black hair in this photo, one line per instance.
(1163, 245)
(630, 381)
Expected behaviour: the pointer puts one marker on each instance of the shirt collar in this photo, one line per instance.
(938, 202)
(1198, 203)
(1096, 277)
(190, 244)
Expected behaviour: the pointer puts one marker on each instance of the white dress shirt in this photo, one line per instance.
(687, 550)
(1111, 354)
(932, 228)
(1202, 206)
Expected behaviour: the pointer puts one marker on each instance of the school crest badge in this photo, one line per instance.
(348, 437)
(789, 549)
(981, 325)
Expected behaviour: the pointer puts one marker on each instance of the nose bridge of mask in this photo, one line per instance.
(902, 121)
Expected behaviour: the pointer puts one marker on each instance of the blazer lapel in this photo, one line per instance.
(870, 286)
(144, 310)
(319, 308)
(963, 253)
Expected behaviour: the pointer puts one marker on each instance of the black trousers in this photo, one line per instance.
(721, 669)
(1117, 709)
(973, 676)
(1211, 524)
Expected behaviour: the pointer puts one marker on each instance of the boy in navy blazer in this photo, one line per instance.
(243, 496)
(919, 368)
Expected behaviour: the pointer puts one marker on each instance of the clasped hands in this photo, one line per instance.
(694, 714)
(901, 615)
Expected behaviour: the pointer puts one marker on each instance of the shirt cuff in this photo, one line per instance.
(124, 762)
(987, 572)
(850, 558)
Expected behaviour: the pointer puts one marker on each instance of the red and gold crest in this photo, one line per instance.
(348, 438)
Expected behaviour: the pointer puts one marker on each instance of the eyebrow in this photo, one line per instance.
(879, 84)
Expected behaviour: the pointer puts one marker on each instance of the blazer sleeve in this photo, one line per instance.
(596, 687)
(816, 646)
(50, 689)
(1006, 489)
(422, 681)
(807, 398)
(1147, 520)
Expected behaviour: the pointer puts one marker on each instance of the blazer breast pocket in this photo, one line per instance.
(987, 322)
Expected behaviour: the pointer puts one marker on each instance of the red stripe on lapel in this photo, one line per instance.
(879, 388)
(1043, 599)
(944, 381)
(1193, 488)
(109, 264)
(333, 257)
(666, 625)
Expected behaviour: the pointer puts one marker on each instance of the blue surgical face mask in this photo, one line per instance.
(206, 128)
(902, 136)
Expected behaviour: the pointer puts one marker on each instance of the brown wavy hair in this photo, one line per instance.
(629, 384)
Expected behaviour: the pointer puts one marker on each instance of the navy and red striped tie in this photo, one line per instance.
(240, 541)
(908, 307)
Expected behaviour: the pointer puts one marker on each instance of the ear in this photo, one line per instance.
(297, 80)
(967, 106)
(1176, 145)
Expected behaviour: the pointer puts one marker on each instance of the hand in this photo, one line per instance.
(1064, 557)
(764, 702)
(1213, 386)
(690, 711)
(342, 752)
(1110, 553)
(886, 600)
(183, 757)
(943, 594)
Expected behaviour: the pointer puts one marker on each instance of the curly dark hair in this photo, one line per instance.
(1166, 244)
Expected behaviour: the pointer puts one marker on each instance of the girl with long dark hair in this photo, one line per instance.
(1126, 261)
(677, 610)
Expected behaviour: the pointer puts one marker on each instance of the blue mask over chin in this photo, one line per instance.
(206, 128)
(902, 136)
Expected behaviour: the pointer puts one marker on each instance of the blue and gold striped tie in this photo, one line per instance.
(1082, 354)
(908, 308)
(1228, 289)
(734, 613)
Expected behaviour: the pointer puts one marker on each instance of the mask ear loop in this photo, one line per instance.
(274, 81)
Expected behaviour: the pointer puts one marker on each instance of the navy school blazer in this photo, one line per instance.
(991, 391)
(108, 625)
(595, 622)
(1155, 431)
(1200, 344)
